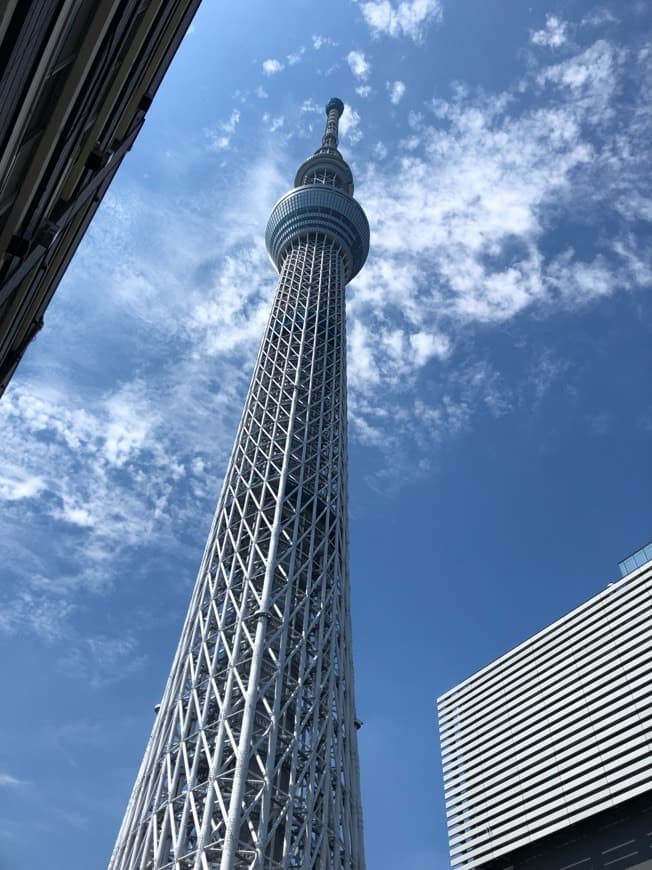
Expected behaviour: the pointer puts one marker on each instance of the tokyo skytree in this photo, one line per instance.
(253, 759)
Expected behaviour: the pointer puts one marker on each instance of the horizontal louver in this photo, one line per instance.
(556, 730)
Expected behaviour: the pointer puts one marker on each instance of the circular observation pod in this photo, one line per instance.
(335, 103)
(316, 208)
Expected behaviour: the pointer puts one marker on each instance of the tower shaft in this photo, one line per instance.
(253, 758)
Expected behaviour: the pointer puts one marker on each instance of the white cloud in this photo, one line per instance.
(396, 91)
(17, 484)
(319, 42)
(390, 354)
(273, 123)
(271, 66)
(227, 320)
(580, 281)
(591, 77)
(553, 35)
(130, 423)
(473, 202)
(363, 91)
(73, 513)
(350, 125)
(109, 441)
(311, 105)
(219, 137)
(425, 346)
(295, 57)
(409, 18)
(460, 224)
(410, 143)
(117, 476)
(261, 93)
(363, 370)
(359, 64)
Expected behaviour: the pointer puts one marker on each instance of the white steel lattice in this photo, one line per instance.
(253, 761)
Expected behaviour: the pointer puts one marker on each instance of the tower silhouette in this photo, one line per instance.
(253, 761)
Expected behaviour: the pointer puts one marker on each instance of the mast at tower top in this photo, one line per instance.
(334, 110)
(326, 165)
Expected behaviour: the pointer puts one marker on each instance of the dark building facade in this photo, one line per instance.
(76, 80)
(547, 752)
(620, 837)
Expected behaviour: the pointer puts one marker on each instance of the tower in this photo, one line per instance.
(253, 761)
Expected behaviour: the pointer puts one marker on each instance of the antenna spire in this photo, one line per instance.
(334, 109)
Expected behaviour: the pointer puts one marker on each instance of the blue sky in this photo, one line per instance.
(499, 375)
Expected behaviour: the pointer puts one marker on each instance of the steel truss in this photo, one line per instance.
(253, 758)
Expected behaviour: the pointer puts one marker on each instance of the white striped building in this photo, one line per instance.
(555, 731)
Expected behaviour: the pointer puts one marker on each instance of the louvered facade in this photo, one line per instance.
(547, 752)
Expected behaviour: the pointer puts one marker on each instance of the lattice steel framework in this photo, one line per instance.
(253, 760)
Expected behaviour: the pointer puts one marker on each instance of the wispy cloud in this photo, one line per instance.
(9, 781)
(591, 79)
(409, 18)
(100, 661)
(599, 17)
(113, 465)
(461, 224)
(46, 615)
